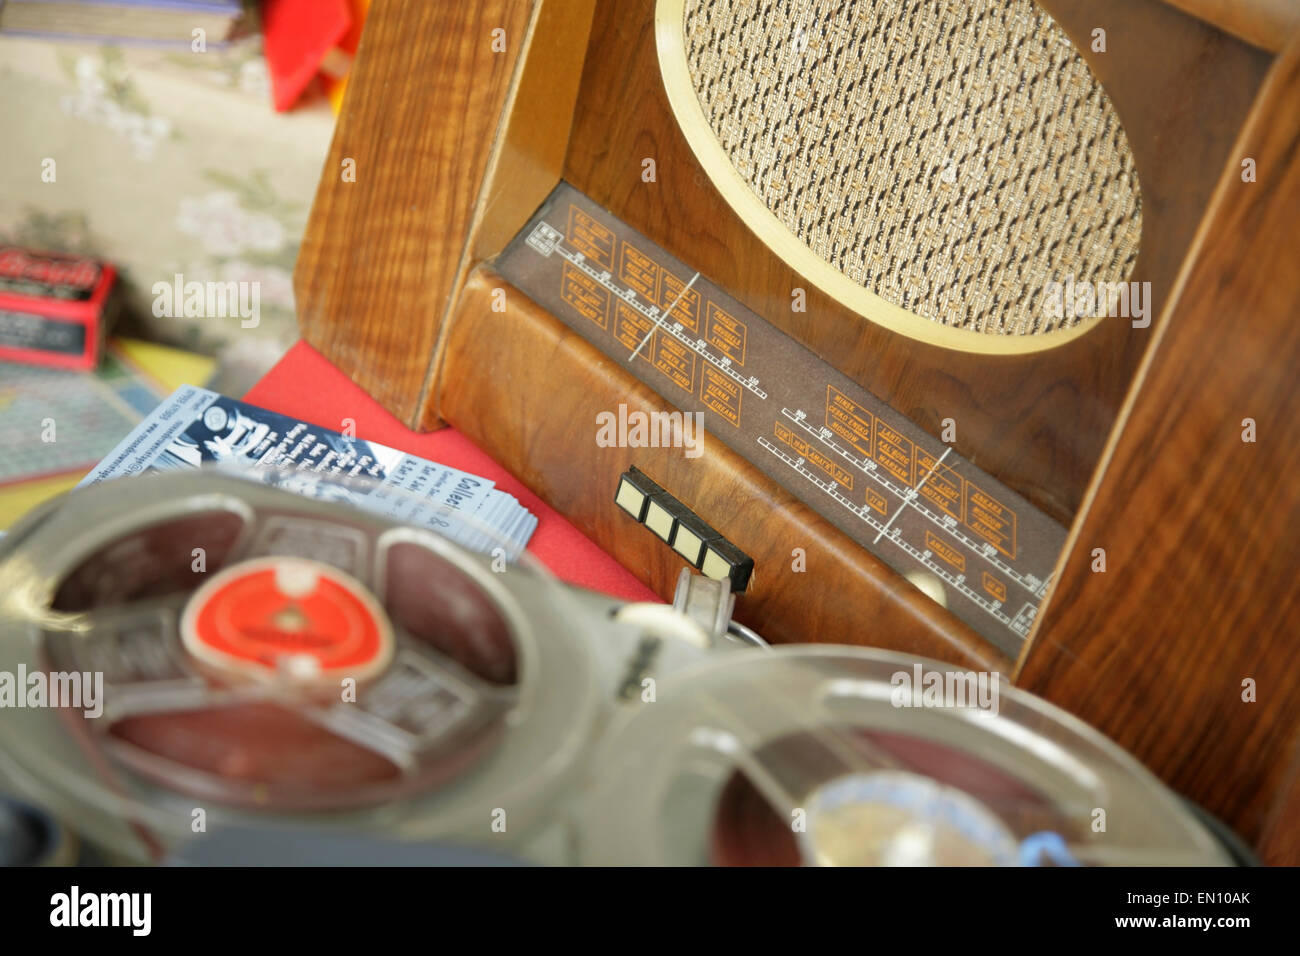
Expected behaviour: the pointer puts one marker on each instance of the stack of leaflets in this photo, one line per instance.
(198, 428)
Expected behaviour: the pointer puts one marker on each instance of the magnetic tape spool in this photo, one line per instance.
(478, 693)
(810, 756)
(275, 660)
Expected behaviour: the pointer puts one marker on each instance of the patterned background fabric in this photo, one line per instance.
(167, 162)
(951, 156)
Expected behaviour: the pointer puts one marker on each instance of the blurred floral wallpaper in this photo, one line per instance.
(166, 163)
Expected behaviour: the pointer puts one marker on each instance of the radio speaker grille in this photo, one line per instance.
(953, 157)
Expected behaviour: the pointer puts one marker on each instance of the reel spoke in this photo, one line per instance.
(423, 702)
(136, 648)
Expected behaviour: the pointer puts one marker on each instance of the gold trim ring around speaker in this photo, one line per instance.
(839, 129)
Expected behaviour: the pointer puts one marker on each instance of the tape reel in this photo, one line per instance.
(269, 659)
(289, 666)
(820, 755)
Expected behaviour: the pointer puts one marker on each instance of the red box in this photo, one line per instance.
(54, 308)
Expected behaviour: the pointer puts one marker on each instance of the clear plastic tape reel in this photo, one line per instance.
(799, 755)
(482, 698)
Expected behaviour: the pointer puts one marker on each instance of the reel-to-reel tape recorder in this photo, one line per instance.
(192, 655)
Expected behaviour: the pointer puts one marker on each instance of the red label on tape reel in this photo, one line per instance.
(299, 618)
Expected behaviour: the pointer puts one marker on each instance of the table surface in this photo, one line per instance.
(306, 385)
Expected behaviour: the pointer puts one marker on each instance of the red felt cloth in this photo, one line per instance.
(305, 385)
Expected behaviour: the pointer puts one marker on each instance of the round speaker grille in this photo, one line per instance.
(933, 164)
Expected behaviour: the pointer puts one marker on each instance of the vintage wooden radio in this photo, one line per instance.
(987, 309)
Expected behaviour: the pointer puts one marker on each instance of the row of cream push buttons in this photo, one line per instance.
(682, 530)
